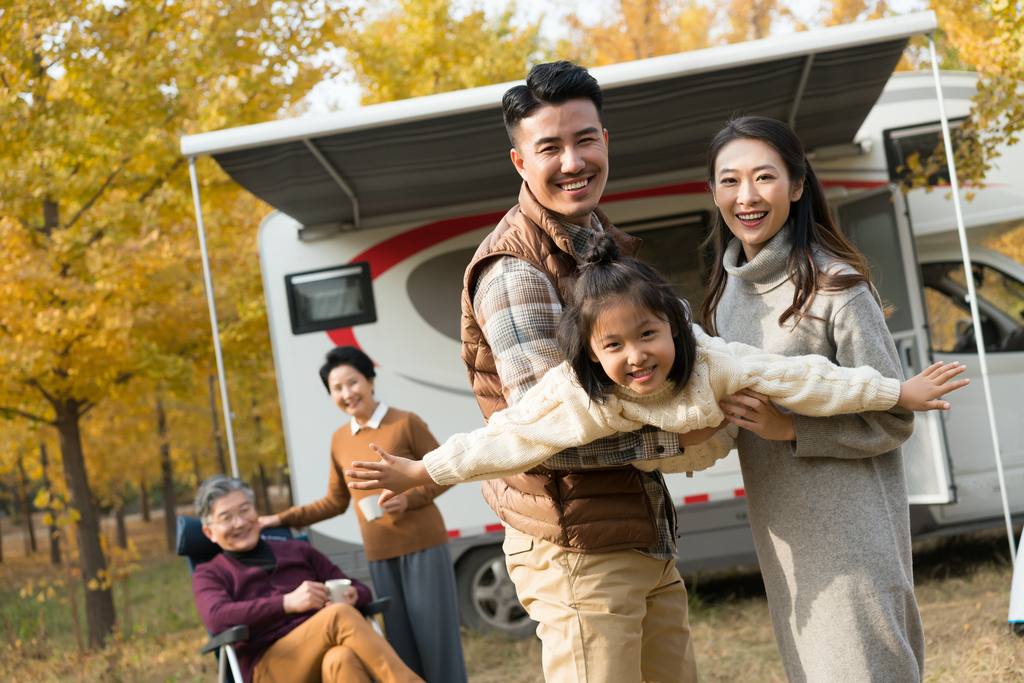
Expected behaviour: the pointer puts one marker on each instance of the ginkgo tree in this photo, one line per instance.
(410, 48)
(95, 216)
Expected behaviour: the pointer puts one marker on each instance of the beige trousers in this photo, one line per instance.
(335, 645)
(612, 617)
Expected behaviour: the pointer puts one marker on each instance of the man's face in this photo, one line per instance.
(233, 523)
(562, 154)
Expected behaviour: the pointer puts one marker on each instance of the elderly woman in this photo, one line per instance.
(277, 589)
(405, 540)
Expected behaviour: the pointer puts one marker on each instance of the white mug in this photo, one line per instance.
(371, 511)
(337, 587)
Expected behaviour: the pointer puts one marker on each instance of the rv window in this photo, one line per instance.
(917, 143)
(330, 298)
(1000, 304)
(672, 245)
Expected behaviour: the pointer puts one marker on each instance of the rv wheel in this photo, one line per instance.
(487, 596)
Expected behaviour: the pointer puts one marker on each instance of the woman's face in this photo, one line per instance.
(352, 391)
(753, 191)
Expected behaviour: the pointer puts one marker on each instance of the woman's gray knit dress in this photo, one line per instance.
(829, 511)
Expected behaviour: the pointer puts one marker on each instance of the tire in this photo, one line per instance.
(487, 596)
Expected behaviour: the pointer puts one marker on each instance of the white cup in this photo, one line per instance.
(337, 587)
(371, 511)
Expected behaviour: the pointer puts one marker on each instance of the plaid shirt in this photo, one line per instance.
(517, 308)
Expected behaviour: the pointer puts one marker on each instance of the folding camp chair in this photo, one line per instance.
(196, 548)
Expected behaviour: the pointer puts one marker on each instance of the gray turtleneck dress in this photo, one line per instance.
(829, 511)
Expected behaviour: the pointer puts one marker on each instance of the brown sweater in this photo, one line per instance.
(420, 527)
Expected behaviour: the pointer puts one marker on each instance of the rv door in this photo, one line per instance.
(877, 224)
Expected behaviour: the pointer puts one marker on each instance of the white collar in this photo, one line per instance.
(374, 421)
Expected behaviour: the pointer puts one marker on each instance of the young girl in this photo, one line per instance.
(634, 358)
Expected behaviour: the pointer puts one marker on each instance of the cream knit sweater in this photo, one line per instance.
(557, 414)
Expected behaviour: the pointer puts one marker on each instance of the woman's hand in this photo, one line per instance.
(922, 391)
(756, 413)
(266, 521)
(398, 475)
(396, 505)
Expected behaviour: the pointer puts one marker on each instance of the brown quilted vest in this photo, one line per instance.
(592, 510)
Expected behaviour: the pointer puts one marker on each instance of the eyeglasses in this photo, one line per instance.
(227, 519)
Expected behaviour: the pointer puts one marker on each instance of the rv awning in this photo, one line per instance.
(440, 155)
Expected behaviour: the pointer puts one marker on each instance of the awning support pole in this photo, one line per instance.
(801, 86)
(345, 187)
(969, 276)
(208, 281)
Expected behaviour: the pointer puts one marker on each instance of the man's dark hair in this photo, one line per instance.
(347, 355)
(553, 83)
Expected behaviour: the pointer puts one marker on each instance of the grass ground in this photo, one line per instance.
(962, 587)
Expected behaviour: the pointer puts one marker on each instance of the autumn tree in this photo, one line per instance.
(409, 48)
(95, 216)
(987, 37)
(639, 29)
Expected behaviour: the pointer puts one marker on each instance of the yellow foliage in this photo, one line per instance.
(410, 48)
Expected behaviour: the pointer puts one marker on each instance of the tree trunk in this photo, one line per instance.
(26, 504)
(221, 462)
(195, 467)
(99, 602)
(144, 499)
(286, 480)
(54, 539)
(122, 529)
(167, 476)
(1, 544)
(264, 490)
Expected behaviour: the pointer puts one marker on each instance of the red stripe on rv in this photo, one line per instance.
(494, 528)
(454, 533)
(389, 253)
(739, 493)
(690, 500)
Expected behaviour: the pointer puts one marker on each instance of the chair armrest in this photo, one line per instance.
(235, 634)
(377, 607)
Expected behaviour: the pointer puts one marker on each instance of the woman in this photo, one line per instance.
(405, 540)
(827, 497)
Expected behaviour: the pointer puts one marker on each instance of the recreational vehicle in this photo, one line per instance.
(379, 209)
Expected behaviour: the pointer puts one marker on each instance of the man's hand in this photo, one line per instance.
(351, 596)
(310, 595)
(699, 436)
(396, 505)
(922, 392)
(398, 475)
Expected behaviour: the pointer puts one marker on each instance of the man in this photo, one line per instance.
(589, 540)
(296, 634)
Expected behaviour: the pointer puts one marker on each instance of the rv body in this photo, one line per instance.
(412, 273)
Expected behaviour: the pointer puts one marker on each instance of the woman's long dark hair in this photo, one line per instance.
(605, 280)
(812, 225)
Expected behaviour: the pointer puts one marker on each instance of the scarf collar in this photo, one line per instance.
(767, 270)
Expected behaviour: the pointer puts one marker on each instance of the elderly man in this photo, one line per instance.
(277, 590)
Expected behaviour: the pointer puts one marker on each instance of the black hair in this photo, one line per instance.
(553, 83)
(347, 355)
(813, 228)
(604, 280)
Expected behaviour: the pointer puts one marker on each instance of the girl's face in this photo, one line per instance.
(634, 346)
(352, 391)
(753, 190)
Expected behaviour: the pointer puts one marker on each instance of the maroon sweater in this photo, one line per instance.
(230, 594)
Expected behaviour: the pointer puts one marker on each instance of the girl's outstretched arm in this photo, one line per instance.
(923, 391)
(395, 474)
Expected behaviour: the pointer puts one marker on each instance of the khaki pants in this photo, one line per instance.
(335, 645)
(612, 617)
